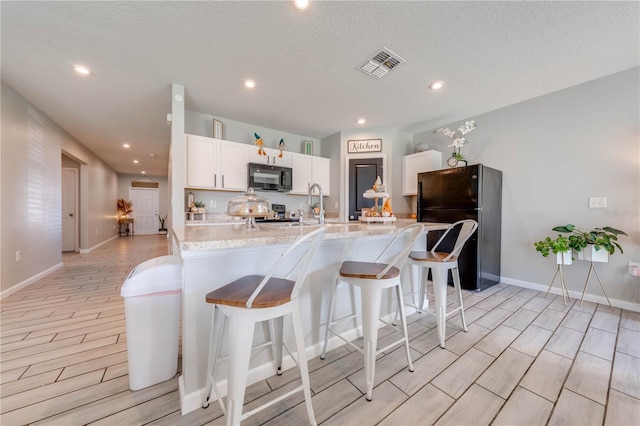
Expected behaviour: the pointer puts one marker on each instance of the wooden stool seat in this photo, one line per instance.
(276, 292)
(367, 270)
(432, 256)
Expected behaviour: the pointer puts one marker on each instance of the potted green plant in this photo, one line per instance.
(558, 246)
(590, 244)
(162, 229)
(200, 206)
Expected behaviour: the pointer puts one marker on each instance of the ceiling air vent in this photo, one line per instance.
(381, 63)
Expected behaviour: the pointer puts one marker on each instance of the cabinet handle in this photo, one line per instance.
(223, 181)
(215, 180)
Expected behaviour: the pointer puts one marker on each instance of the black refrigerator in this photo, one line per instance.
(471, 192)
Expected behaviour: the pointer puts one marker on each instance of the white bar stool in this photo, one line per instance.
(372, 278)
(440, 263)
(247, 301)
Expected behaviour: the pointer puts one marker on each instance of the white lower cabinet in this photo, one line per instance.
(308, 169)
(417, 163)
(216, 164)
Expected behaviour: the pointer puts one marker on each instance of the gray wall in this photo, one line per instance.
(31, 191)
(556, 151)
(236, 131)
(395, 144)
(331, 150)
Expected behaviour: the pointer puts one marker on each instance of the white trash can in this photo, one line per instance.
(152, 298)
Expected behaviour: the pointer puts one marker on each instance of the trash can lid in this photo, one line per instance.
(157, 275)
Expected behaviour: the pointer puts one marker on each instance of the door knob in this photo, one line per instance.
(70, 214)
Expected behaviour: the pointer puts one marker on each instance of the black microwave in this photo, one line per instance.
(263, 177)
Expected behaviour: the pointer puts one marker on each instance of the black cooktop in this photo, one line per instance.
(271, 219)
(279, 210)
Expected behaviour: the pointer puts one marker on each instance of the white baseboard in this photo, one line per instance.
(89, 250)
(617, 303)
(31, 280)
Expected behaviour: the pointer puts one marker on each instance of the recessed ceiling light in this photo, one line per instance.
(82, 70)
(436, 85)
(152, 155)
(143, 172)
(361, 121)
(135, 161)
(301, 4)
(126, 145)
(250, 84)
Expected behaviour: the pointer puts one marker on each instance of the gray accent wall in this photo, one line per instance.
(395, 144)
(31, 169)
(556, 151)
(236, 131)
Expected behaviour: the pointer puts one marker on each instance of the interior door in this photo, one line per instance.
(362, 175)
(145, 210)
(69, 214)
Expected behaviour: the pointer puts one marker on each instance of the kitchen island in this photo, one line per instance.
(213, 256)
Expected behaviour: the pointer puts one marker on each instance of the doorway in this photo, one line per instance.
(145, 210)
(69, 209)
(362, 173)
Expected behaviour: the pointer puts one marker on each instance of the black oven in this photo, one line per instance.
(263, 177)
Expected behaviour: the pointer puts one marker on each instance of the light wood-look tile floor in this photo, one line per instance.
(525, 360)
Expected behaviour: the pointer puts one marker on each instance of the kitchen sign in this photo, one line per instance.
(366, 145)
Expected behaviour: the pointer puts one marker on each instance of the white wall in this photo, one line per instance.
(31, 191)
(124, 183)
(556, 151)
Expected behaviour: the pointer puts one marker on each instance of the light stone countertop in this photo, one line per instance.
(192, 238)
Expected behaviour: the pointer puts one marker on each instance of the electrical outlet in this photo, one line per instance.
(634, 269)
(212, 203)
(336, 205)
(597, 202)
(18, 256)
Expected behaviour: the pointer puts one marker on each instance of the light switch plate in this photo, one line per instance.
(597, 202)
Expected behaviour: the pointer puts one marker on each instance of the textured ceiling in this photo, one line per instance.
(490, 55)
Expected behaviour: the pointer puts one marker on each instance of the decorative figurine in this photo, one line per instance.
(387, 211)
(378, 186)
(281, 147)
(259, 144)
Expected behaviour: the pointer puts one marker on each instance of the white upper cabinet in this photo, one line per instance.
(200, 158)
(417, 163)
(216, 164)
(308, 169)
(321, 173)
(233, 166)
(273, 157)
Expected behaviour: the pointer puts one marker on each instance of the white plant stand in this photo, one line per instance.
(375, 196)
(561, 258)
(592, 256)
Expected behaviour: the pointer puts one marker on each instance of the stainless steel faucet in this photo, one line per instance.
(320, 215)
